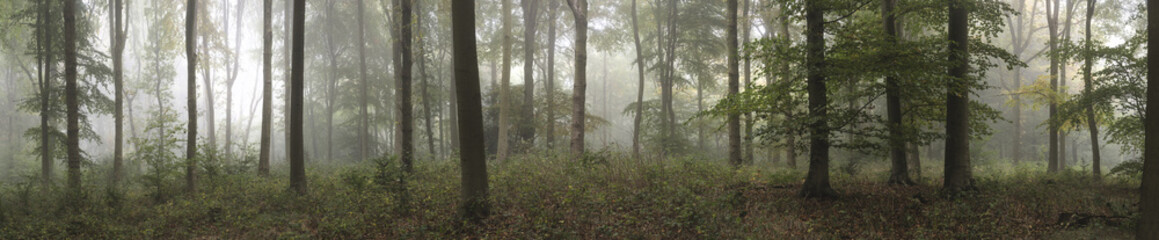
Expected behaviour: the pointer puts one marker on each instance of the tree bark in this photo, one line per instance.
(1052, 23)
(46, 158)
(734, 144)
(1148, 226)
(527, 125)
(424, 79)
(405, 120)
(297, 145)
(899, 172)
(505, 85)
(71, 99)
(817, 181)
(191, 87)
(549, 86)
(1092, 122)
(958, 176)
(746, 30)
(579, 9)
(639, 118)
(267, 87)
(364, 98)
(473, 179)
(118, 44)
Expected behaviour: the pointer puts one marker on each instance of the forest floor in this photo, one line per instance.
(605, 197)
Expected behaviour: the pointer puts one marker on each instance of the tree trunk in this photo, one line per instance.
(267, 87)
(958, 176)
(1052, 23)
(332, 85)
(364, 98)
(1148, 226)
(899, 172)
(579, 9)
(118, 44)
(287, 48)
(734, 144)
(527, 125)
(505, 85)
(1092, 122)
(746, 30)
(297, 147)
(233, 72)
(424, 79)
(210, 118)
(473, 179)
(71, 101)
(1062, 62)
(191, 87)
(817, 182)
(405, 117)
(549, 86)
(639, 118)
(46, 158)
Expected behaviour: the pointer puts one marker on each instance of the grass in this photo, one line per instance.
(606, 197)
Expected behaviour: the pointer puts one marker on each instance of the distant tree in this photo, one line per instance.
(363, 99)
(734, 144)
(268, 86)
(958, 176)
(549, 86)
(71, 92)
(817, 181)
(297, 143)
(472, 159)
(191, 87)
(579, 9)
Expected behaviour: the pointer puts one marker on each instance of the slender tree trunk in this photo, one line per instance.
(46, 158)
(332, 85)
(210, 108)
(287, 48)
(958, 176)
(474, 206)
(505, 85)
(899, 174)
(1092, 122)
(791, 153)
(424, 79)
(639, 118)
(71, 101)
(267, 86)
(364, 98)
(527, 125)
(734, 144)
(817, 181)
(579, 9)
(1062, 62)
(405, 117)
(191, 87)
(118, 40)
(915, 161)
(746, 29)
(1052, 23)
(297, 146)
(549, 86)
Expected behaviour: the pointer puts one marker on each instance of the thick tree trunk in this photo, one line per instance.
(958, 176)
(505, 85)
(734, 144)
(899, 172)
(527, 125)
(405, 117)
(579, 9)
(267, 87)
(1148, 226)
(474, 206)
(191, 87)
(296, 145)
(71, 99)
(817, 181)
(639, 118)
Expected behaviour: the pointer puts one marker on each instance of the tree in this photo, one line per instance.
(579, 9)
(267, 86)
(958, 176)
(899, 172)
(45, 84)
(1148, 227)
(363, 100)
(527, 125)
(118, 45)
(505, 84)
(233, 71)
(1052, 24)
(71, 92)
(549, 86)
(817, 181)
(405, 121)
(734, 144)
(640, 91)
(1092, 122)
(472, 160)
(297, 144)
(191, 86)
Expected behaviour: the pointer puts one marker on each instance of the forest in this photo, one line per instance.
(578, 119)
